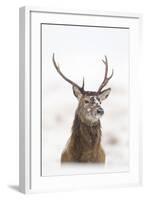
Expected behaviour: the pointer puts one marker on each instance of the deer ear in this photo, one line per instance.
(77, 92)
(104, 94)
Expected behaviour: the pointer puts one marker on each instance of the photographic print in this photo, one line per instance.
(79, 102)
(84, 99)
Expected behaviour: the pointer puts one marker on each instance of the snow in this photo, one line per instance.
(59, 104)
(57, 121)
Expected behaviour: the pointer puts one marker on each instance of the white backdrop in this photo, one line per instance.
(9, 97)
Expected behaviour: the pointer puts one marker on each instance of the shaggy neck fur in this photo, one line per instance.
(85, 140)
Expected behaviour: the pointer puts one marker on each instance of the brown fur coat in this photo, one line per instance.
(84, 144)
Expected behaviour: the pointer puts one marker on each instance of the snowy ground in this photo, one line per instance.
(57, 122)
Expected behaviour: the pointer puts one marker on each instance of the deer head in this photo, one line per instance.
(89, 108)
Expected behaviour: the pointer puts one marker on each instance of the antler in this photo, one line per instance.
(65, 78)
(106, 79)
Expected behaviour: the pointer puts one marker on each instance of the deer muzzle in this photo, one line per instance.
(100, 111)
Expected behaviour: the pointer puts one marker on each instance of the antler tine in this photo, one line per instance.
(83, 84)
(106, 66)
(106, 79)
(64, 77)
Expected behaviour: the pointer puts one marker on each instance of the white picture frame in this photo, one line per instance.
(30, 164)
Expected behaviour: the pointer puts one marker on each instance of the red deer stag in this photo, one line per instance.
(84, 144)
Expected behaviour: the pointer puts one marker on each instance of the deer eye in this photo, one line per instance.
(86, 101)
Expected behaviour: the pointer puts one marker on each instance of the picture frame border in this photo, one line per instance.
(25, 139)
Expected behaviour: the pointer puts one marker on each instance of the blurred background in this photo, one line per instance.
(79, 51)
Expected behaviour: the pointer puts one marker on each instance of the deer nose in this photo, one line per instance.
(100, 111)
